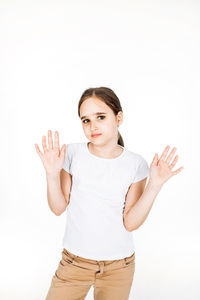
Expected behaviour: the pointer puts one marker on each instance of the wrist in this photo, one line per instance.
(53, 175)
(154, 185)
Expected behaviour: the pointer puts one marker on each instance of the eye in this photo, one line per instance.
(97, 117)
(102, 116)
(84, 121)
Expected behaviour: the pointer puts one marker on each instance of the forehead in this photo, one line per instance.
(93, 105)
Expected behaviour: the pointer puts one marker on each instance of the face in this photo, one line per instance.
(97, 117)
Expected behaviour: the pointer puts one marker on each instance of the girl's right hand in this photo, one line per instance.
(52, 158)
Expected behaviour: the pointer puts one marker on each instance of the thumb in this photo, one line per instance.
(63, 150)
(155, 160)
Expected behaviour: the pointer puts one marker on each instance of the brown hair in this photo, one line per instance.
(108, 97)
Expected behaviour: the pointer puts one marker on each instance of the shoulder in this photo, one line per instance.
(138, 165)
(71, 148)
(134, 156)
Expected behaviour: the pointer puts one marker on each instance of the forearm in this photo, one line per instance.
(56, 199)
(139, 212)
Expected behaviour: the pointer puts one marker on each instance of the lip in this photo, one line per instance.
(96, 135)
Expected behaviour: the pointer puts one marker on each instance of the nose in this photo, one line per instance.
(93, 125)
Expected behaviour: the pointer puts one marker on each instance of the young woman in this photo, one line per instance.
(102, 187)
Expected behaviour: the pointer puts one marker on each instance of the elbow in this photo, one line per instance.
(133, 227)
(59, 213)
(130, 229)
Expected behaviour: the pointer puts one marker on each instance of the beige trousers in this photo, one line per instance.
(111, 279)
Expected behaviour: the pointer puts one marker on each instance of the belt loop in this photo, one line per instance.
(101, 266)
(125, 260)
(71, 255)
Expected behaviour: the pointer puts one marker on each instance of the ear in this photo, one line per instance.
(119, 118)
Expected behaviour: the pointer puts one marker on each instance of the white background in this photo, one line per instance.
(148, 53)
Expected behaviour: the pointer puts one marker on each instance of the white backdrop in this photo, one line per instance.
(148, 53)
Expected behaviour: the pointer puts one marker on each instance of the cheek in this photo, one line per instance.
(85, 128)
(107, 124)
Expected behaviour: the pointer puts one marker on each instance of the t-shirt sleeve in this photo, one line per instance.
(68, 159)
(142, 170)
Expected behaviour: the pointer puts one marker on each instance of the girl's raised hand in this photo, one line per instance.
(161, 168)
(53, 157)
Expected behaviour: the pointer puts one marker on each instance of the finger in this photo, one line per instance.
(63, 150)
(56, 136)
(44, 145)
(164, 152)
(174, 162)
(38, 150)
(177, 171)
(155, 159)
(171, 155)
(50, 140)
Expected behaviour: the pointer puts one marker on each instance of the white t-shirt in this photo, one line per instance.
(94, 216)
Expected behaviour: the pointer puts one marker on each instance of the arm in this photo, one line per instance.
(136, 216)
(58, 180)
(160, 172)
(58, 191)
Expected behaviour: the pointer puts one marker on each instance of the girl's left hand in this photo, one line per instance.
(161, 169)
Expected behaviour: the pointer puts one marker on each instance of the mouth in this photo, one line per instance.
(96, 135)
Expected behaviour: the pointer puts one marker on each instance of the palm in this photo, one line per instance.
(161, 169)
(53, 157)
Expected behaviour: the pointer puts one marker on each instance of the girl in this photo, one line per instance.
(102, 186)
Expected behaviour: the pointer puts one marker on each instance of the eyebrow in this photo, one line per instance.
(97, 113)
